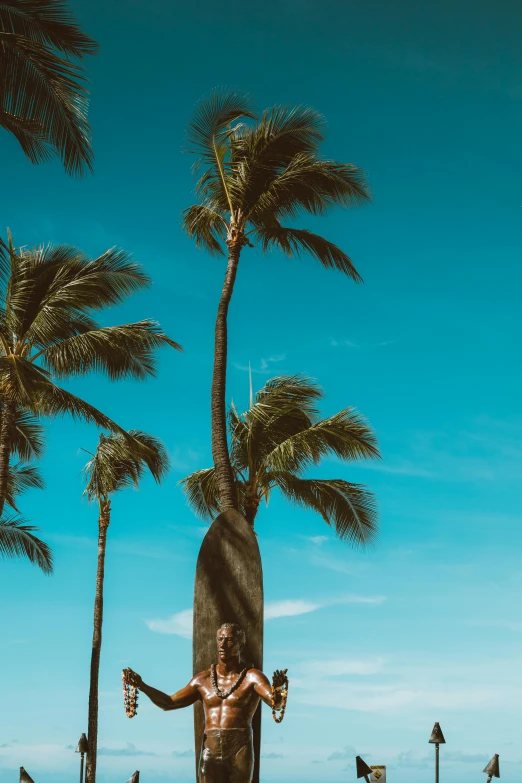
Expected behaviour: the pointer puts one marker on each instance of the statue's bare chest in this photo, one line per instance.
(235, 696)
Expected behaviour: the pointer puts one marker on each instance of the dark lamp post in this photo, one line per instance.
(83, 748)
(25, 777)
(437, 738)
(363, 770)
(492, 769)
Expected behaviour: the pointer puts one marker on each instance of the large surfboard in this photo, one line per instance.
(228, 589)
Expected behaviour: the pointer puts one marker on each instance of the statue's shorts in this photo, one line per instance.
(227, 756)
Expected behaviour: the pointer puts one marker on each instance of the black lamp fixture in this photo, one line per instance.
(437, 738)
(135, 777)
(363, 770)
(491, 769)
(25, 777)
(83, 748)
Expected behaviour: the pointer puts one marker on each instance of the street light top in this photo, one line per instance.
(362, 767)
(83, 745)
(25, 777)
(437, 737)
(492, 768)
(135, 777)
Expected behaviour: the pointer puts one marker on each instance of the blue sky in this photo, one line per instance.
(426, 627)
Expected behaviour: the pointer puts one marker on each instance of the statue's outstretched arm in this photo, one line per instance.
(183, 698)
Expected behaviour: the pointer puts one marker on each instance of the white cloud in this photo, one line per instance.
(288, 608)
(318, 540)
(179, 624)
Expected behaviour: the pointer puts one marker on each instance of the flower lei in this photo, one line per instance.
(130, 697)
(282, 708)
(234, 686)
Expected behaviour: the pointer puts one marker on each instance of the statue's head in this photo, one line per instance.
(230, 641)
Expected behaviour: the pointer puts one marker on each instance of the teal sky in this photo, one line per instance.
(425, 627)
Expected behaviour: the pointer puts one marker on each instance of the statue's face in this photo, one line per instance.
(228, 644)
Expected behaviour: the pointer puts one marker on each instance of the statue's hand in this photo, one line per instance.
(279, 679)
(132, 678)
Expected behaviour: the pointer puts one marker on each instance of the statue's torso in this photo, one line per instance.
(234, 712)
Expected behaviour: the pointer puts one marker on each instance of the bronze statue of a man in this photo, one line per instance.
(230, 692)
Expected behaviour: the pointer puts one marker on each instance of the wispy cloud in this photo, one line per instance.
(342, 666)
(130, 750)
(510, 625)
(265, 365)
(288, 608)
(179, 754)
(343, 343)
(348, 752)
(318, 540)
(180, 624)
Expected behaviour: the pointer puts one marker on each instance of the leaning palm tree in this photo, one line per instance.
(119, 462)
(43, 98)
(48, 296)
(252, 177)
(275, 443)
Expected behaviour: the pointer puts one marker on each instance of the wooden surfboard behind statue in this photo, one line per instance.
(228, 589)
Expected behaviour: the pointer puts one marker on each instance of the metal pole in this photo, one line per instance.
(81, 768)
(436, 762)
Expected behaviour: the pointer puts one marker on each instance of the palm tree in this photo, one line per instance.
(119, 462)
(253, 176)
(43, 98)
(276, 441)
(17, 538)
(47, 299)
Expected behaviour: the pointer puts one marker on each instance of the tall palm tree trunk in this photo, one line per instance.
(6, 435)
(92, 736)
(220, 455)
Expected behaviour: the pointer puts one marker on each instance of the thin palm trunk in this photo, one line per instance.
(220, 455)
(90, 770)
(6, 435)
(251, 504)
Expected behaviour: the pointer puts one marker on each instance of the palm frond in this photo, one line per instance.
(48, 22)
(263, 151)
(294, 241)
(206, 226)
(30, 135)
(57, 285)
(119, 462)
(350, 509)
(120, 351)
(308, 183)
(281, 133)
(345, 434)
(202, 493)
(20, 478)
(30, 387)
(212, 117)
(28, 436)
(17, 539)
(285, 406)
(42, 86)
